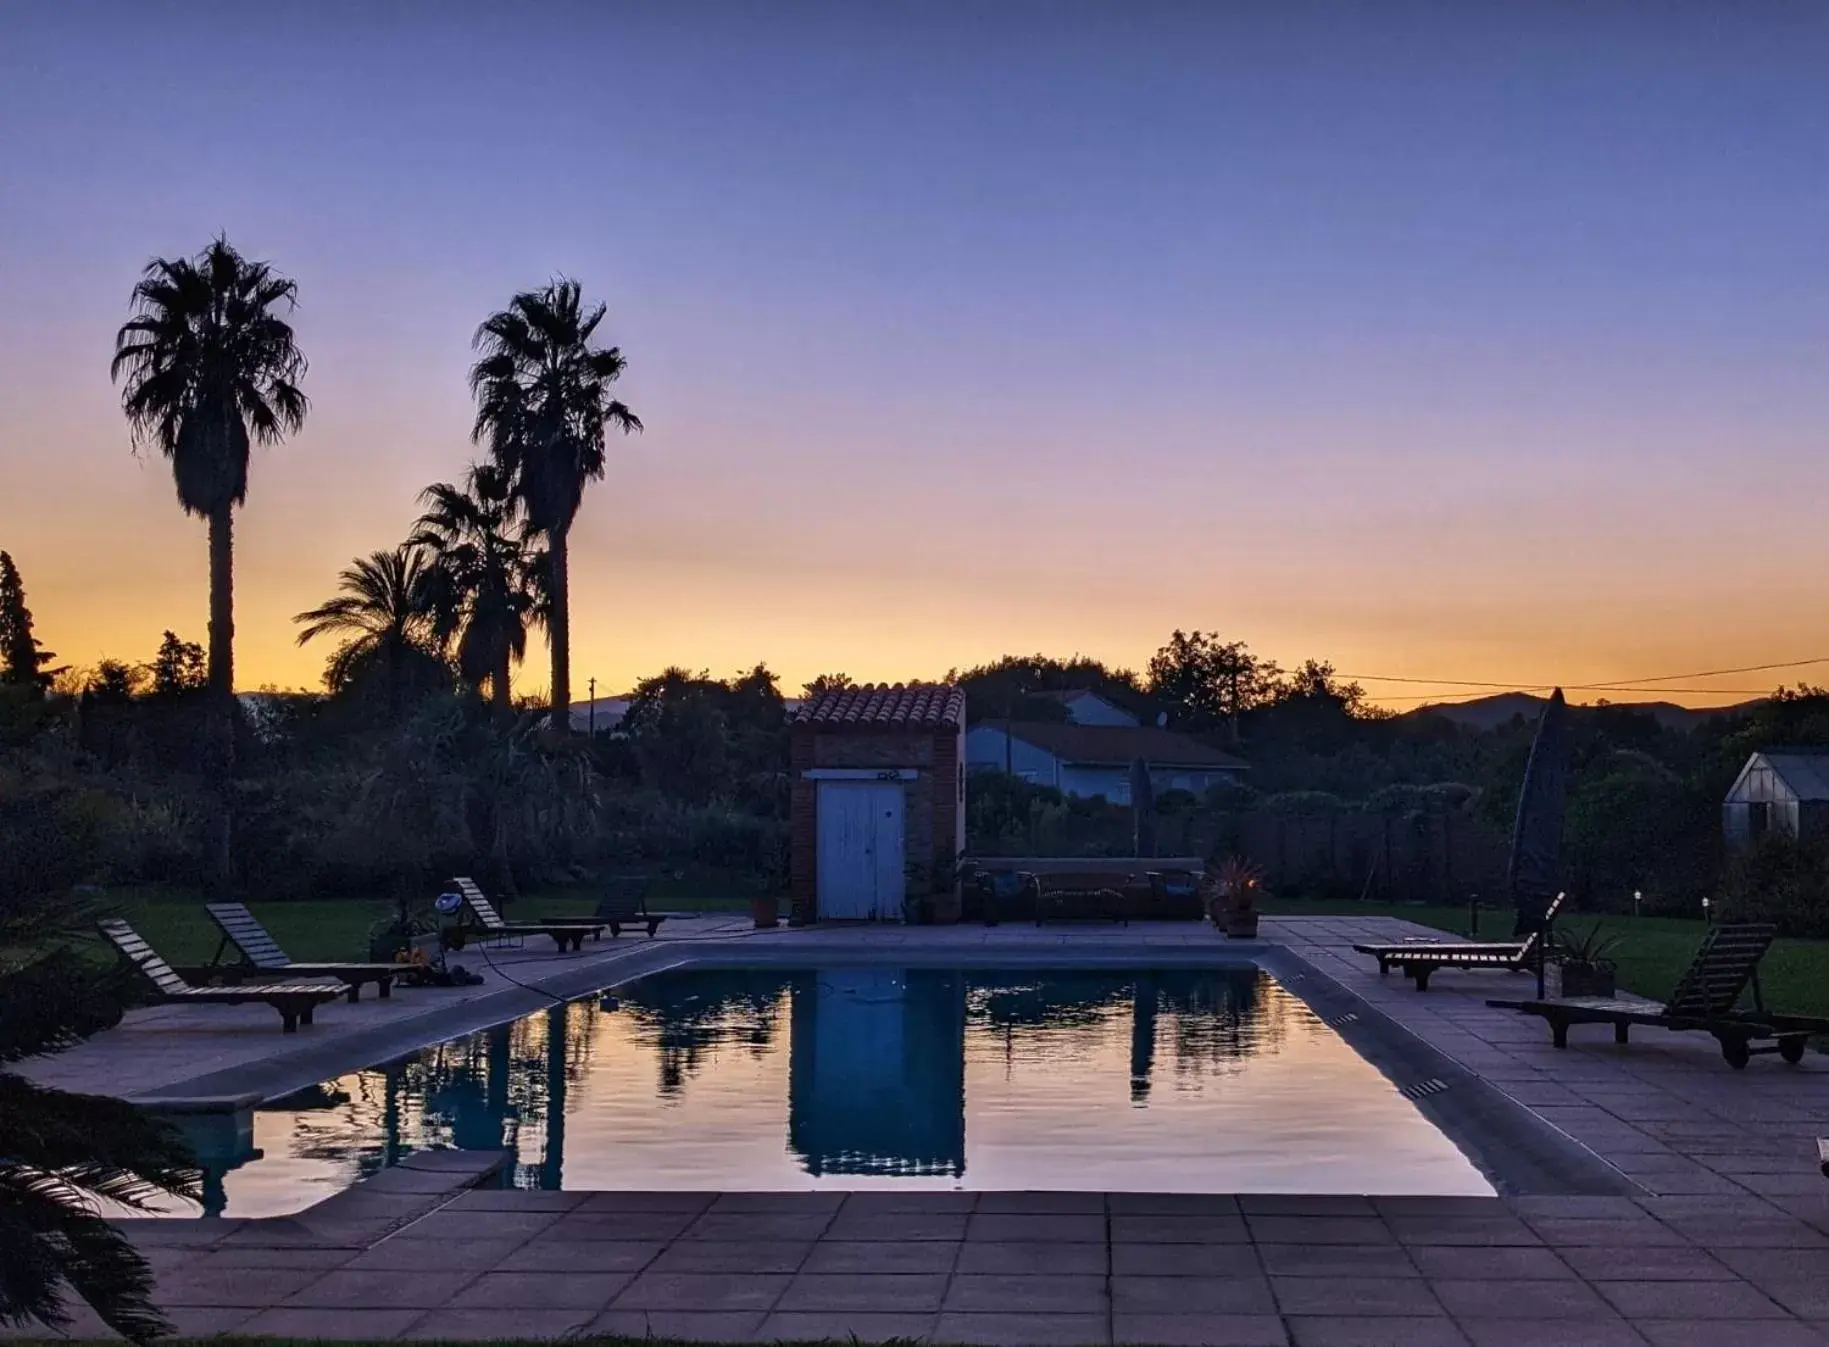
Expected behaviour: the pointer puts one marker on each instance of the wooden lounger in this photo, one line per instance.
(295, 1001)
(625, 903)
(1726, 964)
(564, 933)
(243, 930)
(1419, 959)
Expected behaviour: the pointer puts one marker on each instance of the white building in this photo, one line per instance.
(1092, 753)
(1782, 790)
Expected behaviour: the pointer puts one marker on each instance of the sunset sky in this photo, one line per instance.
(1456, 341)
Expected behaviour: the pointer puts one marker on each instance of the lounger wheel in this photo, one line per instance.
(1791, 1049)
(1559, 1034)
(1736, 1053)
(1622, 1032)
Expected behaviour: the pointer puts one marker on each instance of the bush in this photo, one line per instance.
(1783, 881)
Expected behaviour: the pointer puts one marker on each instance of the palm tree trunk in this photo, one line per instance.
(217, 867)
(559, 629)
(499, 687)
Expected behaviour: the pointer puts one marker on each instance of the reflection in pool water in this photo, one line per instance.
(1215, 1081)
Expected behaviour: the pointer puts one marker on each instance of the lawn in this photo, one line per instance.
(1652, 951)
(174, 923)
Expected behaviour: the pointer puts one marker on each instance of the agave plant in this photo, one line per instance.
(67, 1158)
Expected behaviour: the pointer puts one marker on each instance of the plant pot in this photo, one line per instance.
(1241, 926)
(1587, 979)
(766, 911)
(947, 908)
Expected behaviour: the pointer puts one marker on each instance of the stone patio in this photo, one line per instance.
(1723, 1239)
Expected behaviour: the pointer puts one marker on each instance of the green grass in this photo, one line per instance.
(175, 924)
(1652, 952)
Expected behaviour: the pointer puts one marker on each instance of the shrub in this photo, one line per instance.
(1781, 880)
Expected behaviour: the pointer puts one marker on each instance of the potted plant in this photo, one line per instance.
(1232, 895)
(1586, 970)
(766, 909)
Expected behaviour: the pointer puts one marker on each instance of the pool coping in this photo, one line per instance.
(1514, 1148)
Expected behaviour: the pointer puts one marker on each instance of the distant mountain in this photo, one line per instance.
(1485, 713)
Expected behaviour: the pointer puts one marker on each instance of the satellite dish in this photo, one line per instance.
(1162, 719)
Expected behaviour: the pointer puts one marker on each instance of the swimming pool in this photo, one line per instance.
(1187, 1080)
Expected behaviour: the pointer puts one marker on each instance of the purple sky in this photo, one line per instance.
(1461, 340)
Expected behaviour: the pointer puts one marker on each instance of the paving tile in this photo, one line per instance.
(1556, 1333)
(1440, 1206)
(496, 1325)
(1641, 1233)
(1335, 1260)
(1807, 1300)
(754, 1203)
(760, 1226)
(725, 1255)
(677, 1325)
(1200, 1295)
(1354, 1295)
(1173, 1260)
(478, 1225)
(1645, 1265)
(904, 1225)
(205, 1322)
(591, 1255)
(1199, 1330)
(918, 1203)
(596, 1204)
(845, 1326)
(1179, 1230)
(232, 1287)
(1044, 1229)
(702, 1291)
(413, 1255)
(1472, 1231)
(629, 1227)
(1781, 1265)
(1469, 1299)
(1576, 1208)
(1690, 1300)
(1490, 1263)
(302, 1323)
(376, 1291)
(1751, 1233)
(1023, 1293)
(1304, 1204)
(225, 1256)
(1041, 1204)
(515, 1199)
(1730, 1333)
(1319, 1230)
(1022, 1330)
(1171, 1204)
(541, 1291)
(1349, 1331)
(835, 1256)
(876, 1292)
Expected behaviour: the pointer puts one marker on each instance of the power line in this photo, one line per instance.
(1615, 685)
(1715, 673)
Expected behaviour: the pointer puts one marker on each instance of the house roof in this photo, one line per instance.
(1805, 771)
(1122, 744)
(899, 706)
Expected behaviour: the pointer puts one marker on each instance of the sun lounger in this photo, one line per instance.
(625, 903)
(1822, 1155)
(1418, 960)
(295, 1001)
(1726, 963)
(1079, 896)
(564, 933)
(243, 930)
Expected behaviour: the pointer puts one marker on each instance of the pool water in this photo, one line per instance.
(1183, 1081)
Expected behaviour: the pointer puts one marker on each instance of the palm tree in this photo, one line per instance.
(483, 577)
(66, 1154)
(542, 405)
(384, 612)
(210, 369)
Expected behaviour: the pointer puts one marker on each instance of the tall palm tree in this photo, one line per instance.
(483, 576)
(384, 614)
(210, 369)
(543, 403)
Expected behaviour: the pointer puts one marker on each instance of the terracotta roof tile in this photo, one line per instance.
(899, 706)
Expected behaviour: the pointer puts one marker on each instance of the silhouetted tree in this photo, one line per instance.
(21, 661)
(1205, 682)
(384, 613)
(179, 667)
(543, 403)
(211, 368)
(482, 589)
